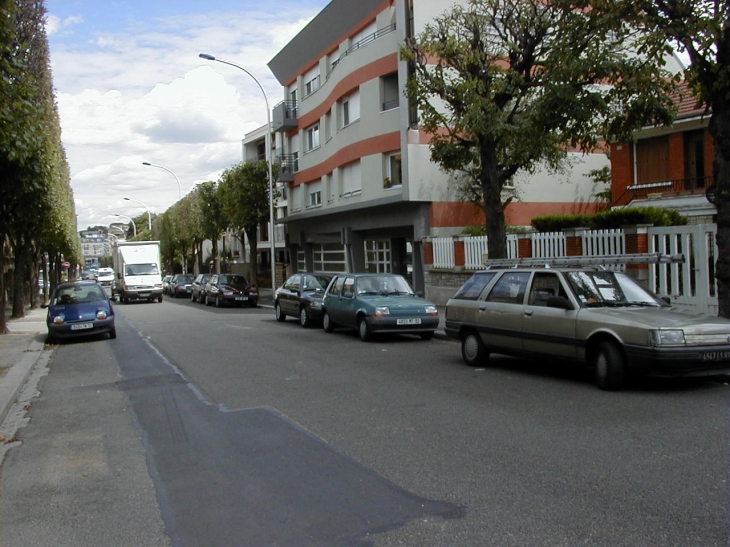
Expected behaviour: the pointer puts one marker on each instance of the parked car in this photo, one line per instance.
(599, 318)
(181, 285)
(301, 296)
(375, 303)
(166, 284)
(197, 288)
(223, 289)
(106, 278)
(77, 309)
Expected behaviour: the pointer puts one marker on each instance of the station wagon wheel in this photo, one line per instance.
(363, 330)
(304, 317)
(610, 366)
(280, 315)
(472, 349)
(327, 323)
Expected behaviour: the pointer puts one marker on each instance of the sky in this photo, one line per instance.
(131, 88)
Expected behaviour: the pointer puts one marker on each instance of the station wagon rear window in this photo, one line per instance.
(474, 286)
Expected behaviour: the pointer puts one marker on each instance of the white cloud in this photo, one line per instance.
(140, 93)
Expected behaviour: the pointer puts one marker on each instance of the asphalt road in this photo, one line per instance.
(205, 426)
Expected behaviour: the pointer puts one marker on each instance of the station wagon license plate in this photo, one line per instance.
(82, 326)
(416, 321)
(716, 356)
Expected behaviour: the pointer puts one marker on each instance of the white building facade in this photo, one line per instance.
(362, 191)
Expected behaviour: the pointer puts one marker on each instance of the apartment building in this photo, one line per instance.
(362, 193)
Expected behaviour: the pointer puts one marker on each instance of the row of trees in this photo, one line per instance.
(238, 202)
(37, 215)
(505, 87)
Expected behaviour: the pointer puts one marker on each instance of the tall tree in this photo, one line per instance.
(701, 28)
(244, 190)
(507, 86)
(211, 217)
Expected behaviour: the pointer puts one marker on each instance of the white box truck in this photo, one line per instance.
(137, 264)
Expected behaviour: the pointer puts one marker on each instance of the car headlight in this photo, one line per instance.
(226, 293)
(382, 310)
(431, 310)
(667, 337)
(101, 314)
(58, 320)
(316, 305)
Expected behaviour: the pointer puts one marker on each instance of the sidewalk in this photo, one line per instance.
(19, 352)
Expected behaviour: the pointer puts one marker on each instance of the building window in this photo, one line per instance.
(315, 193)
(393, 170)
(351, 178)
(389, 96)
(312, 138)
(350, 109)
(311, 81)
(652, 160)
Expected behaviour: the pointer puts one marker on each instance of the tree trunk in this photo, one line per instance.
(19, 279)
(492, 195)
(720, 131)
(252, 252)
(216, 258)
(3, 293)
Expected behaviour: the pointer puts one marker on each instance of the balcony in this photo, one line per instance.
(289, 165)
(670, 188)
(284, 116)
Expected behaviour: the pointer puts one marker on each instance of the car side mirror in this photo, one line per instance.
(559, 302)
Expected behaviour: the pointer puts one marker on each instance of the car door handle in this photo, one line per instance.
(528, 313)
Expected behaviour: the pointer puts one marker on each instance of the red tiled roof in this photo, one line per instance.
(687, 105)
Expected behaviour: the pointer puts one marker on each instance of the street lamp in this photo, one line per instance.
(149, 217)
(134, 226)
(268, 161)
(179, 188)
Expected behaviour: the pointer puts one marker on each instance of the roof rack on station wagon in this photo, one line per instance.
(578, 261)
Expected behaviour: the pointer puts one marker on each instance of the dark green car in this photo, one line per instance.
(377, 303)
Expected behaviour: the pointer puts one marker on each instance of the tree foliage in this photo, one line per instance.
(244, 193)
(701, 28)
(504, 87)
(36, 203)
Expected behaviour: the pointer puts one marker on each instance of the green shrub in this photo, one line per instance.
(607, 220)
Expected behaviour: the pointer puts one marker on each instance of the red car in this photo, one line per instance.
(233, 289)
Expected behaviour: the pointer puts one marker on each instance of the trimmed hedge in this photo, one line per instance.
(612, 219)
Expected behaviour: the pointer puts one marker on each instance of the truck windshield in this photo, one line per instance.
(141, 269)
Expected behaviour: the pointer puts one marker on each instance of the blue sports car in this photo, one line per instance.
(77, 309)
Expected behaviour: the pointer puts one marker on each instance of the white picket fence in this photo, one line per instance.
(690, 285)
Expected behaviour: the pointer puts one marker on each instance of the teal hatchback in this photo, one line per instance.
(377, 303)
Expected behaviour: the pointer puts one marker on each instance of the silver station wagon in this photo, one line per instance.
(601, 318)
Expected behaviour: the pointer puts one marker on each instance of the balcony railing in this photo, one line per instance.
(357, 45)
(285, 116)
(289, 165)
(669, 188)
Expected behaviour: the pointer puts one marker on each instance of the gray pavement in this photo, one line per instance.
(19, 352)
(22, 348)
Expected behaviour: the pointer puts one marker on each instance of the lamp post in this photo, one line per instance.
(179, 188)
(134, 226)
(149, 217)
(268, 161)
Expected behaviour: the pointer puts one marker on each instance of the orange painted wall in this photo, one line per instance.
(457, 214)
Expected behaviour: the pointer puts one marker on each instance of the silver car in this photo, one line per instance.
(604, 319)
